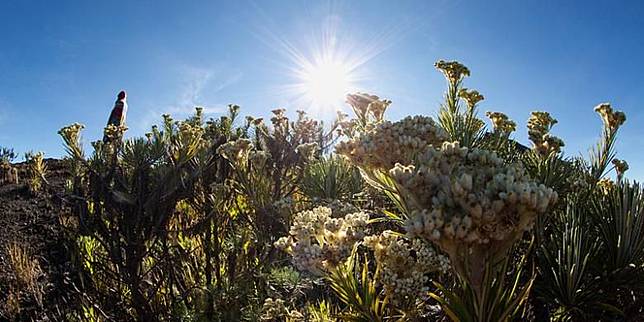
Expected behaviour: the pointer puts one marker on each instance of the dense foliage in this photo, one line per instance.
(366, 220)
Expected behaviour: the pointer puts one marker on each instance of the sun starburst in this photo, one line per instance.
(324, 82)
(326, 66)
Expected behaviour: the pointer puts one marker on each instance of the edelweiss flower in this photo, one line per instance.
(471, 97)
(462, 197)
(235, 151)
(307, 150)
(113, 132)
(501, 123)
(71, 131)
(539, 125)
(279, 119)
(318, 242)
(390, 143)
(273, 309)
(404, 265)
(621, 166)
(453, 70)
(612, 119)
(606, 185)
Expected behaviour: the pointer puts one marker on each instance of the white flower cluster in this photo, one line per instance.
(390, 143)
(307, 150)
(460, 197)
(453, 70)
(501, 122)
(539, 126)
(612, 119)
(364, 104)
(273, 309)
(470, 96)
(621, 166)
(606, 185)
(236, 150)
(318, 242)
(276, 310)
(114, 132)
(405, 264)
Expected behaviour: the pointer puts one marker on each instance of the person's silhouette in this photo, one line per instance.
(117, 117)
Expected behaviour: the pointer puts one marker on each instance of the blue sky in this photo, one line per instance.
(63, 62)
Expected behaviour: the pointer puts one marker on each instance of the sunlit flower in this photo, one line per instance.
(390, 143)
(612, 119)
(606, 185)
(501, 123)
(307, 150)
(460, 197)
(235, 151)
(347, 127)
(114, 132)
(539, 126)
(453, 70)
(317, 241)
(71, 131)
(471, 97)
(621, 166)
(404, 265)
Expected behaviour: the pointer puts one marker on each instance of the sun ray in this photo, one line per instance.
(328, 63)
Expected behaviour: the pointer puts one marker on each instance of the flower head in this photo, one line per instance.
(235, 151)
(71, 130)
(501, 123)
(404, 265)
(368, 108)
(453, 70)
(390, 143)
(279, 118)
(621, 166)
(471, 97)
(468, 197)
(307, 150)
(317, 241)
(612, 119)
(606, 185)
(114, 132)
(539, 126)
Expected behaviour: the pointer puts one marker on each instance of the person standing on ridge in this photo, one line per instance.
(117, 117)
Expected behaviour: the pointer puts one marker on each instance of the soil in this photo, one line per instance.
(32, 220)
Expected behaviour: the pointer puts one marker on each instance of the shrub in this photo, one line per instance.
(36, 171)
(187, 222)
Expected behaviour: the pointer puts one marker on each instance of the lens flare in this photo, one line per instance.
(326, 64)
(325, 83)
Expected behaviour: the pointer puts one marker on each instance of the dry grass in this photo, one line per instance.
(26, 271)
(12, 306)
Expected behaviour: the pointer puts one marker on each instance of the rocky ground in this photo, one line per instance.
(32, 222)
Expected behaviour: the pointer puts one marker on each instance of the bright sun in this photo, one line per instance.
(326, 83)
(326, 69)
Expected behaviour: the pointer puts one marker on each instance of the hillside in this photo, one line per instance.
(31, 221)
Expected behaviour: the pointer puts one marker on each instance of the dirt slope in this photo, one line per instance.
(32, 221)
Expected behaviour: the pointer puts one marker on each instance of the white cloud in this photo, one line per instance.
(196, 87)
(196, 82)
